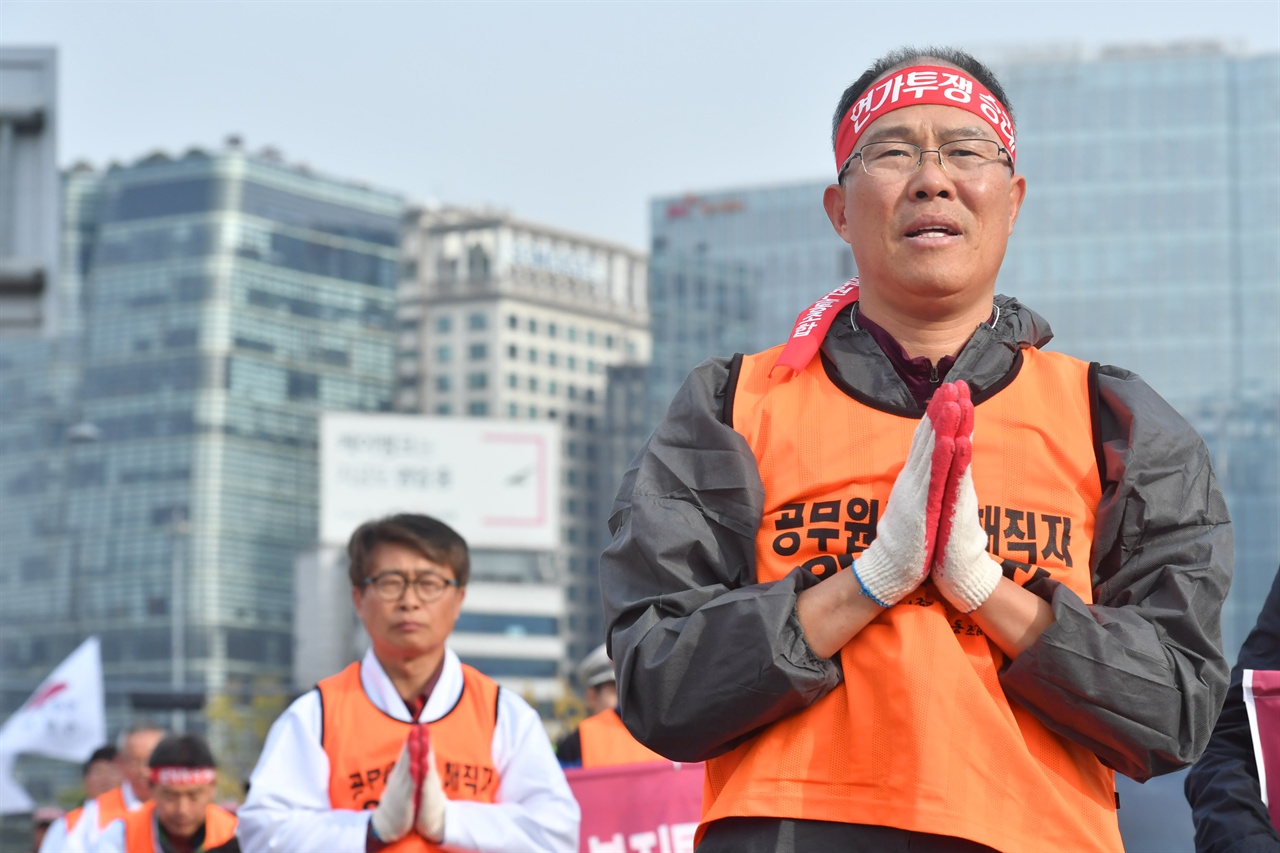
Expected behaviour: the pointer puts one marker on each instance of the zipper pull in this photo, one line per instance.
(933, 373)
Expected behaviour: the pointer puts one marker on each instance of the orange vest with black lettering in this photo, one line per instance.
(139, 837)
(920, 735)
(606, 742)
(363, 744)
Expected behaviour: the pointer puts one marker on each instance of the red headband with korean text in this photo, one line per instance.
(183, 775)
(923, 84)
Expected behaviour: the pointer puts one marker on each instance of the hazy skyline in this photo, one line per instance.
(573, 114)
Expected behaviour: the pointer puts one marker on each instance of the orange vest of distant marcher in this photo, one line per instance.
(920, 734)
(111, 805)
(219, 828)
(363, 744)
(605, 742)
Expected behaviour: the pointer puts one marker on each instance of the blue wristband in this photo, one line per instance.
(853, 567)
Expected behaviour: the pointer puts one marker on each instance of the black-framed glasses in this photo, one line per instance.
(903, 159)
(390, 586)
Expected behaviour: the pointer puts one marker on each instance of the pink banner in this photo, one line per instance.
(1262, 700)
(638, 808)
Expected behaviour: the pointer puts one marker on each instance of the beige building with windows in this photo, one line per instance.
(505, 318)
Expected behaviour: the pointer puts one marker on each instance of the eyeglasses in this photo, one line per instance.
(390, 586)
(903, 159)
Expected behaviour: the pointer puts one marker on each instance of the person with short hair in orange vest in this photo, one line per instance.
(130, 792)
(181, 816)
(100, 774)
(601, 740)
(911, 581)
(409, 749)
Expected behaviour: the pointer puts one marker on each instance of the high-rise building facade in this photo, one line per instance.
(505, 318)
(29, 221)
(228, 299)
(1150, 239)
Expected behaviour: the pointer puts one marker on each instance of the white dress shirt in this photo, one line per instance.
(288, 808)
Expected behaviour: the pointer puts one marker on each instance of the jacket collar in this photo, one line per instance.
(985, 360)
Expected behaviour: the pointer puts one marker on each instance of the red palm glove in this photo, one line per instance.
(963, 571)
(429, 811)
(899, 559)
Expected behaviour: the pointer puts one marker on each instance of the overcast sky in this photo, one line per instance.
(573, 114)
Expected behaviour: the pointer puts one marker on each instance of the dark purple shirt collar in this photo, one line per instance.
(921, 377)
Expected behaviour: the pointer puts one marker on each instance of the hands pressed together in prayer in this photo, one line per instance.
(930, 524)
(413, 800)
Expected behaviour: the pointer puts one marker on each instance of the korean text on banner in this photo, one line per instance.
(634, 808)
(1262, 700)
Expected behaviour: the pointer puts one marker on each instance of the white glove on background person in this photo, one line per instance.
(963, 571)
(898, 560)
(393, 818)
(430, 820)
(413, 797)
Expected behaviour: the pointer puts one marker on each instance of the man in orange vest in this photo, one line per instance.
(601, 740)
(409, 749)
(100, 774)
(133, 751)
(909, 581)
(181, 816)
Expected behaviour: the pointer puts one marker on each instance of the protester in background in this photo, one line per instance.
(909, 581)
(100, 774)
(1223, 787)
(410, 746)
(133, 749)
(41, 820)
(180, 817)
(601, 740)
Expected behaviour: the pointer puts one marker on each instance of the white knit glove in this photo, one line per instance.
(964, 572)
(430, 822)
(393, 818)
(899, 558)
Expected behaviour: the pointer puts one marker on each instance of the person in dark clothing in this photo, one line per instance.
(1222, 787)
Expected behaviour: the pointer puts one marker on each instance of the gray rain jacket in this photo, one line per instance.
(706, 656)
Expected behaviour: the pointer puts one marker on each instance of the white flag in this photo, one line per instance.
(65, 718)
(13, 798)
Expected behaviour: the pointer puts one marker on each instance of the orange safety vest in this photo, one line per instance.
(920, 734)
(363, 743)
(139, 837)
(72, 817)
(606, 742)
(111, 806)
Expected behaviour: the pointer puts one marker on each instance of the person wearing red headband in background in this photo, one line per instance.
(910, 581)
(180, 817)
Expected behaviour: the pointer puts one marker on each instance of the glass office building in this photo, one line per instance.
(1151, 239)
(228, 298)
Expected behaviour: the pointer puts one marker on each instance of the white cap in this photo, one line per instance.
(596, 668)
